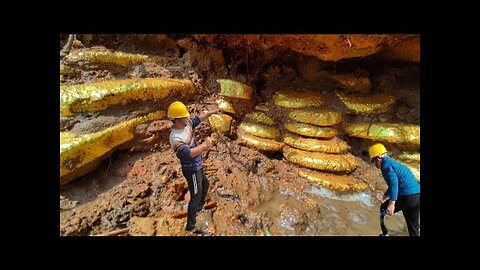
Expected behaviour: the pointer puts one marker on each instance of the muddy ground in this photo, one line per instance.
(141, 187)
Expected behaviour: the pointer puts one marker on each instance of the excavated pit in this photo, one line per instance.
(140, 186)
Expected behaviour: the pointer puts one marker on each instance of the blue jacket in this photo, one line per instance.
(399, 178)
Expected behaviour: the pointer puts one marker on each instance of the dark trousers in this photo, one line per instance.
(198, 187)
(410, 206)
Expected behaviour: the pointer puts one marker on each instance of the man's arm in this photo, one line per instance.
(204, 116)
(392, 181)
(193, 152)
(200, 148)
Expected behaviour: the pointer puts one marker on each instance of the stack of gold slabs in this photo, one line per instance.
(412, 161)
(314, 122)
(333, 166)
(295, 99)
(81, 154)
(234, 96)
(258, 131)
(321, 150)
(366, 104)
(90, 97)
(260, 136)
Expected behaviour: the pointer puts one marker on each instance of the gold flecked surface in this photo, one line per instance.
(332, 146)
(259, 118)
(225, 106)
(311, 130)
(234, 89)
(65, 70)
(410, 156)
(293, 99)
(387, 132)
(321, 161)
(260, 143)
(365, 105)
(260, 130)
(78, 153)
(107, 57)
(100, 95)
(220, 122)
(344, 183)
(319, 117)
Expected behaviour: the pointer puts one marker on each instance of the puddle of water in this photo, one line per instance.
(368, 224)
(357, 218)
(272, 206)
(360, 221)
(346, 214)
(362, 197)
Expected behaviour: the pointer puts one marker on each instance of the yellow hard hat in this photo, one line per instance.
(376, 150)
(177, 110)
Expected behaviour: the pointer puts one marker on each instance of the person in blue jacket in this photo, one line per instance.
(403, 193)
(189, 152)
